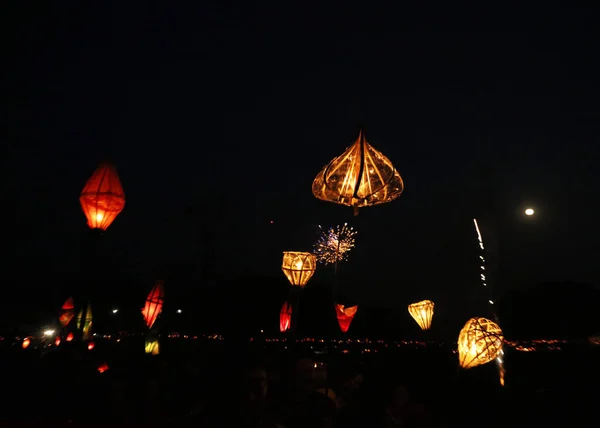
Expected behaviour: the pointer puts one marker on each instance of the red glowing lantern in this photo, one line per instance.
(67, 312)
(345, 316)
(102, 198)
(91, 346)
(154, 303)
(103, 367)
(57, 341)
(69, 337)
(26, 343)
(285, 317)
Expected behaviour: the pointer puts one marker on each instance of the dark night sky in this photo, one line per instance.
(219, 117)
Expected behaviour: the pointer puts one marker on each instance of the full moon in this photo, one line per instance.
(529, 211)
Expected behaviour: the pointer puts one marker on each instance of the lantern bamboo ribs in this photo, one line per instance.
(359, 177)
(298, 267)
(102, 198)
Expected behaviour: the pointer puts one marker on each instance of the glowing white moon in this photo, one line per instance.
(529, 211)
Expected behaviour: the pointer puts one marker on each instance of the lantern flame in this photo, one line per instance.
(345, 315)
(479, 342)
(422, 312)
(102, 198)
(298, 267)
(359, 177)
(285, 317)
(154, 303)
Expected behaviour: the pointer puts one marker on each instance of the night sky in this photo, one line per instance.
(219, 116)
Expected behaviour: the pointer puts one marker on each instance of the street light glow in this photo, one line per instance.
(48, 332)
(529, 211)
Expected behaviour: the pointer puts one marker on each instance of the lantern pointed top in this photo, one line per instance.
(102, 198)
(360, 177)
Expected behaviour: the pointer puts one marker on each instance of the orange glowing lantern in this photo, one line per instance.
(359, 177)
(345, 315)
(479, 342)
(57, 341)
(102, 198)
(298, 267)
(154, 303)
(285, 317)
(91, 346)
(69, 337)
(103, 367)
(26, 343)
(67, 312)
(422, 312)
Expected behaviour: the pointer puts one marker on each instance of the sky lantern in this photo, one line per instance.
(422, 312)
(298, 267)
(102, 198)
(285, 317)
(103, 367)
(345, 315)
(359, 177)
(26, 343)
(86, 328)
(67, 312)
(154, 303)
(479, 342)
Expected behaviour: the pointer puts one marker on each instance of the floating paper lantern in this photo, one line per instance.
(345, 315)
(154, 303)
(285, 317)
(26, 343)
(359, 177)
(298, 267)
(67, 312)
(479, 342)
(102, 198)
(422, 312)
(152, 347)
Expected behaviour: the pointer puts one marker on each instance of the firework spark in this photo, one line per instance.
(334, 244)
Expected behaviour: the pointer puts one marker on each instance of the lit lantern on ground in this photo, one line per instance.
(57, 341)
(102, 368)
(422, 312)
(359, 177)
(91, 346)
(479, 342)
(345, 315)
(26, 343)
(69, 337)
(285, 317)
(102, 198)
(67, 311)
(87, 323)
(154, 304)
(298, 267)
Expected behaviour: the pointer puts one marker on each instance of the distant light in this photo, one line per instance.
(529, 211)
(272, 222)
(115, 311)
(178, 311)
(48, 332)
(262, 331)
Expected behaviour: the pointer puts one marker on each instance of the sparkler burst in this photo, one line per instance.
(334, 244)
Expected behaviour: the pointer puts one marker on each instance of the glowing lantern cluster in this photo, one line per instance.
(479, 342)
(359, 177)
(298, 267)
(345, 315)
(102, 198)
(285, 317)
(154, 304)
(422, 312)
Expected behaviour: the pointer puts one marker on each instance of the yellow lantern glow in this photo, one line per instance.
(152, 347)
(422, 312)
(298, 267)
(479, 342)
(359, 177)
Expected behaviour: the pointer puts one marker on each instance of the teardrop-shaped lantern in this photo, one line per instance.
(479, 342)
(345, 315)
(422, 312)
(67, 312)
(285, 317)
(359, 177)
(298, 267)
(154, 304)
(102, 198)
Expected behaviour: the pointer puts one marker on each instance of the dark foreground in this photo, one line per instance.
(217, 384)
